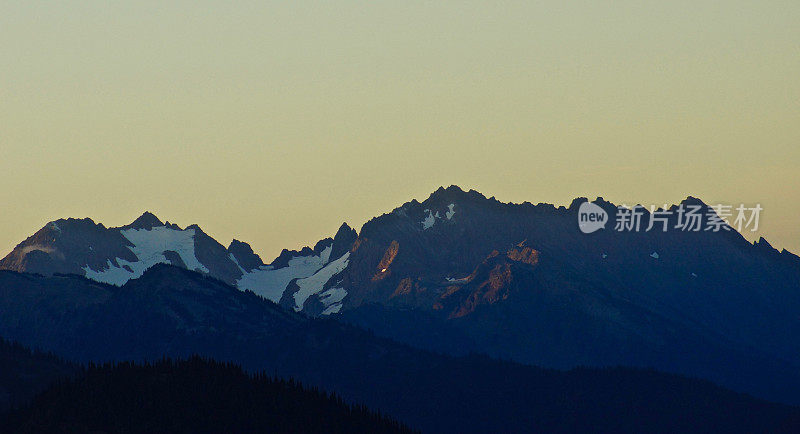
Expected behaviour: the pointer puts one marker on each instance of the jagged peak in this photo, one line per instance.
(344, 227)
(73, 220)
(453, 192)
(343, 240)
(763, 244)
(172, 226)
(236, 243)
(196, 228)
(576, 203)
(691, 200)
(600, 200)
(322, 245)
(344, 231)
(56, 226)
(244, 255)
(441, 200)
(286, 255)
(147, 220)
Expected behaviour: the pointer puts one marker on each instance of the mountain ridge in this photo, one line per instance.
(705, 303)
(117, 254)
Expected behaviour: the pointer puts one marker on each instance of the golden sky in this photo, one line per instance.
(273, 122)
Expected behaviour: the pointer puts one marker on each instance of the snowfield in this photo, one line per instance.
(149, 246)
(270, 282)
(313, 284)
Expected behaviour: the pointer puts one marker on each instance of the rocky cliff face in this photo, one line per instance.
(521, 281)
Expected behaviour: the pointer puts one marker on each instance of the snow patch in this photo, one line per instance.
(451, 212)
(270, 282)
(150, 244)
(313, 284)
(429, 220)
(332, 300)
(233, 258)
(111, 274)
(148, 247)
(334, 308)
(325, 255)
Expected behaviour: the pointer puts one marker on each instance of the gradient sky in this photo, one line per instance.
(273, 122)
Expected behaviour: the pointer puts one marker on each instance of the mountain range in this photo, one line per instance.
(118, 254)
(461, 273)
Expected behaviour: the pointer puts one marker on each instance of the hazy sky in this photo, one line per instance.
(273, 122)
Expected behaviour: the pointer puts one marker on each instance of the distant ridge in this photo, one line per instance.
(117, 254)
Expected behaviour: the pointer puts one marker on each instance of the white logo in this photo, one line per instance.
(591, 217)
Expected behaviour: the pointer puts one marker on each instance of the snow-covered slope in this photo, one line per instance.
(117, 255)
(308, 275)
(151, 247)
(314, 284)
(270, 282)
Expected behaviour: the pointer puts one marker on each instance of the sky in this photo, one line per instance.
(274, 122)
